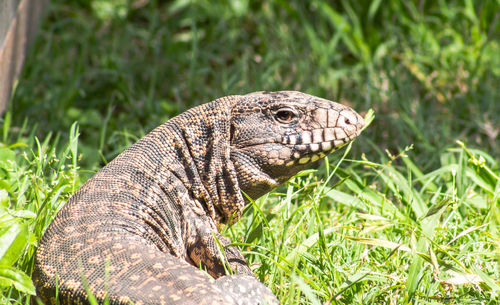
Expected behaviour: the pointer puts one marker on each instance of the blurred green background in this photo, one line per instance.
(429, 69)
(411, 217)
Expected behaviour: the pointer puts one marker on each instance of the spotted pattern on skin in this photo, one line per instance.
(144, 229)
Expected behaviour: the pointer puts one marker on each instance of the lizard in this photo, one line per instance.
(145, 228)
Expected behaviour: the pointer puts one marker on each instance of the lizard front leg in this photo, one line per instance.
(205, 251)
(242, 285)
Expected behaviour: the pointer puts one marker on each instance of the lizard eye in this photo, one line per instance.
(285, 115)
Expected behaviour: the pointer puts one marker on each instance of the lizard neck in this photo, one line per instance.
(201, 140)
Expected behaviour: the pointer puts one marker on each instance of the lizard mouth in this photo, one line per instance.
(301, 148)
(310, 146)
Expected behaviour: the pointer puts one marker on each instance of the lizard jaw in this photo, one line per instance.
(307, 152)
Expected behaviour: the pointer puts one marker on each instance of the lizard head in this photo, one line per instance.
(274, 135)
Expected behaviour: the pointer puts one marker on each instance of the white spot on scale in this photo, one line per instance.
(273, 154)
(329, 134)
(338, 143)
(314, 147)
(301, 147)
(332, 118)
(285, 154)
(325, 146)
(279, 162)
(322, 117)
(317, 135)
(340, 133)
(306, 137)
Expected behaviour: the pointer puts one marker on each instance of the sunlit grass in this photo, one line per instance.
(385, 233)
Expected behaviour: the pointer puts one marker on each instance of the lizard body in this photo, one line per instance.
(141, 227)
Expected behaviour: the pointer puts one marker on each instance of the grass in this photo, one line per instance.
(408, 215)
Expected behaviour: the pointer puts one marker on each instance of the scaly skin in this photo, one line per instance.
(142, 226)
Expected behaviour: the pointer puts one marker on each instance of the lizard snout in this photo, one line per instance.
(331, 129)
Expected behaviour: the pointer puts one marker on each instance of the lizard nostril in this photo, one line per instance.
(347, 121)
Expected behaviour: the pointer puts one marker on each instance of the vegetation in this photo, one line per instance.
(407, 214)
